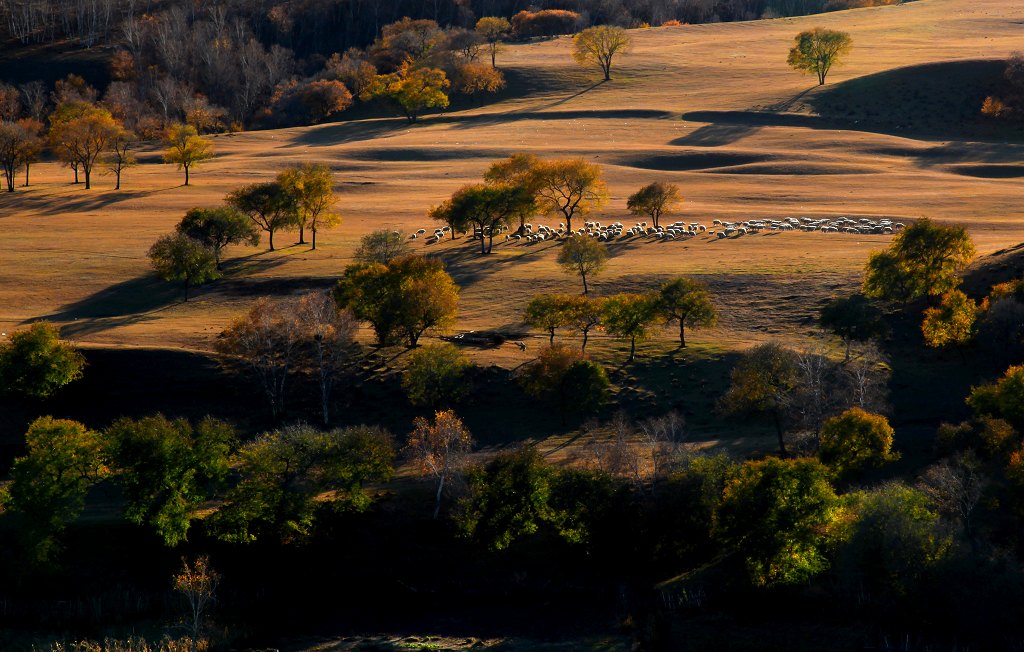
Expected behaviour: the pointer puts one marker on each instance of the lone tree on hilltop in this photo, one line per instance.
(599, 45)
(186, 148)
(654, 200)
(583, 255)
(817, 50)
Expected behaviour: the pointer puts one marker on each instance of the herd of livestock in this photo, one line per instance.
(617, 231)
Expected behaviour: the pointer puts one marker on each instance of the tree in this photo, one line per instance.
(856, 441)
(853, 319)
(687, 302)
(290, 474)
(778, 514)
(548, 312)
(269, 205)
(516, 170)
(436, 376)
(312, 190)
(197, 583)
(1003, 399)
(569, 187)
(764, 381)
(324, 97)
(583, 314)
(583, 256)
(61, 140)
(34, 363)
(13, 138)
(84, 137)
(486, 208)
(217, 228)
(121, 156)
(565, 377)
(654, 200)
(628, 317)
(263, 343)
(168, 469)
(49, 484)
(924, 260)
(494, 29)
(509, 499)
(599, 45)
(952, 322)
(330, 336)
(439, 449)
(817, 50)
(381, 246)
(32, 146)
(413, 89)
(186, 148)
(477, 78)
(404, 299)
(177, 257)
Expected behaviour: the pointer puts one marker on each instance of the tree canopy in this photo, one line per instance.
(34, 363)
(177, 257)
(311, 189)
(412, 88)
(583, 256)
(654, 200)
(219, 227)
(186, 148)
(818, 50)
(436, 376)
(856, 441)
(923, 260)
(688, 302)
(764, 381)
(599, 45)
(269, 205)
(629, 316)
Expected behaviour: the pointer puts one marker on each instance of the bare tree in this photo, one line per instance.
(663, 437)
(440, 449)
(329, 333)
(955, 488)
(264, 343)
(197, 583)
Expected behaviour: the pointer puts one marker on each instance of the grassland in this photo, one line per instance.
(714, 108)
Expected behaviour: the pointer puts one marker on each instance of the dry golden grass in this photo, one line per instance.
(747, 145)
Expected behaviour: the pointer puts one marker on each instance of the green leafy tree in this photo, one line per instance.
(167, 469)
(1003, 399)
(688, 302)
(952, 322)
(924, 260)
(437, 376)
(549, 312)
(493, 29)
(288, 475)
(439, 448)
(121, 157)
(629, 317)
(312, 191)
(583, 314)
(655, 200)
(568, 187)
(269, 205)
(486, 208)
(509, 499)
(401, 300)
(49, 484)
(765, 380)
(381, 246)
(583, 256)
(563, 375)
(518, 170)
(779, 515)
(34, 363)
(599, 45)
(856, 441)
(853, 319)
(219, 227)
(818, 50)
(412, 88)
(186, 148)
(177, 257)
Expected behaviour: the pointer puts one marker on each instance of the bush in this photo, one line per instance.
(549, 22)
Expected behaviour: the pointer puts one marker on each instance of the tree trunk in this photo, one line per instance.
(186, 179)
(551, 337)
(583, 274)
(117, 184)
(586, 334)
(494, 55)
(88, 178)
(271, 232)
(75, 168)
(437, 498)
(302, 235)
(682, 333)
(26, 174)
(632, 348)
(313, 247)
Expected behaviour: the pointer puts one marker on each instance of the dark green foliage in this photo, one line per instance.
(854, 319)
(437, 376)
(924, 260)
(779, 516)
(269, 206)
(34, 363)
(1003, 399)
(177, 257)
(219, 227)
(764, 381)
(285, 472)
(564, 376)
(167, 469)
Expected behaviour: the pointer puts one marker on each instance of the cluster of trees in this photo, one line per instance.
(299, 198)
(168, 469)
(1007, 103)
(83, 134)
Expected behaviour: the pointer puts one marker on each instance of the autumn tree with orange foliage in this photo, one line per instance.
(439, 449)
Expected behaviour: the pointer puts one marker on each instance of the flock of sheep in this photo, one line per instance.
(531, 233)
